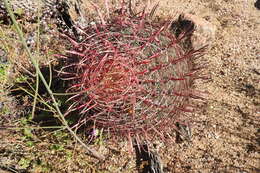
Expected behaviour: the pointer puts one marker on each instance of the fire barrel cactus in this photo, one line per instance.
(131, 76)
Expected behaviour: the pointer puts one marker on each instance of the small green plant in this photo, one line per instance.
(99, 137)
(3, 73)
(21, 79)
(24, 163)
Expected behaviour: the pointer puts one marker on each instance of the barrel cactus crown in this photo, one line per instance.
(130, 75)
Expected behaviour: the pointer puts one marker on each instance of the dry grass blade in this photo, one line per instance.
(64, 122)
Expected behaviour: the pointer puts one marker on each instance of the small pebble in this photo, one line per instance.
(3, 56)
(30, 40)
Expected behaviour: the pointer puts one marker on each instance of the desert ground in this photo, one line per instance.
(225, 126)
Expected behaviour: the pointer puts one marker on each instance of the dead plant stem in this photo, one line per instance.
(38, 71)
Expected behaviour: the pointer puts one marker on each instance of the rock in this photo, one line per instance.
(28, 9)
(204, 31)
(257, 4)
(148, 161)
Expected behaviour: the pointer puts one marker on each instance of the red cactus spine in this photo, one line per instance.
(132, 77)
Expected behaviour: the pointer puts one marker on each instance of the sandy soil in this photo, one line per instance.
(226, 134)
(226, 128)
